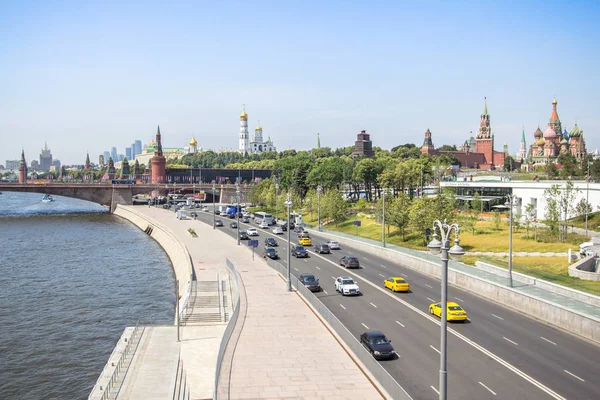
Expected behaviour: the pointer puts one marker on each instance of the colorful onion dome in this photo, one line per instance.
(538, 134)
(575, 132)
(540, 142)
(549, 133)
(193, 142)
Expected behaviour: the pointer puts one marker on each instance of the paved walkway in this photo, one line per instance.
(268, 362)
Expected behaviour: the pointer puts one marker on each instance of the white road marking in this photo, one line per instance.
(508, 340)
(341, 305)
(296, 268)
(494, 315)
(404, 275)
(383, 266)
(575, 376)
(549, 341)
(462, 337)
(373, 304)
(382, 275)
(305, 260)
(459, 299)
(435, 349)
(318, 268)
(399, 323)
(429, 286)
(366, 258)
(366, 327)
(325, 291)
(434, 389)
(333, 277)
(490, 390)
(431, 300)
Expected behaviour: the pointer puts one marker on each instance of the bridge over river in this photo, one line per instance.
(110, 195)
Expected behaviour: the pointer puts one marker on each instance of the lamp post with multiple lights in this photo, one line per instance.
(288, 204)
(456, 252)
(276, 200)
(214, 187)
(383, 220)
(510, 203)
(237, 211)
(587, 197)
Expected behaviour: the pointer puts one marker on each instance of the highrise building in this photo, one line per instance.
(35, 165)
(45, 158)
(12, 164)
(137, 148)
(113, 154)
(128, 153)
(56, 164)
(106, 156)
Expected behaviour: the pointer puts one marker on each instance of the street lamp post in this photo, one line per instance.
(510, 203)
(456, 252)
(237, 192)
(587, 197)
(319, 189)
(288, 204)
(383, 220)
(276, 201)
(214, 209)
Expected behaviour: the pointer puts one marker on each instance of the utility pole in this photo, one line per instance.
(319, 189)
(587, 197)
(383, 220)
(214, 209)
(288, 204)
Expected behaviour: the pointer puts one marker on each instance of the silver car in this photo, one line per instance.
(333, 245)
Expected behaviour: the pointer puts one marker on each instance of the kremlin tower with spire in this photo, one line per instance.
(158, 161)
(23, 168)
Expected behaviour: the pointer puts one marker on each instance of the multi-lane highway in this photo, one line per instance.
(498, 353)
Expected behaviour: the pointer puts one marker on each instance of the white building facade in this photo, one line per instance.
(257, 145)
(244, 147)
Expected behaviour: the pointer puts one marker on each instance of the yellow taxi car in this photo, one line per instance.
(396, 284)
(304, 240)
(453, 313)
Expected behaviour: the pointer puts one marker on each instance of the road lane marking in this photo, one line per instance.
(435, 349)
(296, 268)
(490, 390)
(431, 300)
(373, 304)
(366, 258)
(341, 305)
(325, 291)
(333, 277)
(404, 275)
(494, 315)
(508, 340)
(462, 337)
(383, 266)
(434, 389)
(366, 327)
(382, 275)
(549, 341)
(575, 376)
(318, 268)
(459, 299)
(399, 323)
(429, 286)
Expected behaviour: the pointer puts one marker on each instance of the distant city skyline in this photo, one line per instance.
(84, 81)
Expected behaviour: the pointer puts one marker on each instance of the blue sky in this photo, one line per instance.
(85, 76)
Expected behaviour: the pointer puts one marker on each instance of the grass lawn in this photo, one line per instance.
(552, 269)
(593, 222)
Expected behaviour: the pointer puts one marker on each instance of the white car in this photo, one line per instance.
(204, 208)
(277, 230)
(263, 225)
(252, 232)
(346, 286)
(333, 245)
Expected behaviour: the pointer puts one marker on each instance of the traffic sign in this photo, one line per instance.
(357, 223)
(253, 243)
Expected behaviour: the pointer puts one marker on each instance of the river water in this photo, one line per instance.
(72, 277)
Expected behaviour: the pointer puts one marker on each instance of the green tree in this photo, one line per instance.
(529, 217)
(333, 205)
(582, 208)
(497, 220)
(477, 204)
(399, 213)
(509, 164)
(551, 170)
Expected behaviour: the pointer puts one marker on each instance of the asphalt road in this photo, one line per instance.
(498, 353)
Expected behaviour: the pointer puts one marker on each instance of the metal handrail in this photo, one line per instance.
(115, 374)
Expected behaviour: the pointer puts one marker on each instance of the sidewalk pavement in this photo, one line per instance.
(267, 363)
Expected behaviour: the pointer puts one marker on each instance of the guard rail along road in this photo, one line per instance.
(582, 322)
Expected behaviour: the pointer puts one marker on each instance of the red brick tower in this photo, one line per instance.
(23, 168)
(158, 162)
(427, 147)
(484, 142)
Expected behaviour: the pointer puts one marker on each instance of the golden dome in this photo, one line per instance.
(193, 142)
(540, 142)
(258, 127)
(554, 101)
(243, 115)
(152, 143)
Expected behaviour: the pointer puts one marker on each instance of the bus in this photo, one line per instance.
(263, 216)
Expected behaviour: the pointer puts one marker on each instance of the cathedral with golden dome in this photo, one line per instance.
(193, 147)
(256, 144)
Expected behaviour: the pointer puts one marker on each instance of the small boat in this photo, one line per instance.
(47, 199)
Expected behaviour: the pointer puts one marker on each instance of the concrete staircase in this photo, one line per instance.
(209, 303)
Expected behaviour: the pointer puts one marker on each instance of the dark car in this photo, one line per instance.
(233, 225)
(283, 227)
(349, 262)
(310, 282)
(378, 345)
(246, 220)
(217, 212)
(231, 216)
(271, 253)
(269, 241)
(299, 251)
(322, 248)
(240, 214)
(298, 229)
(243, 235)
(218, 223)
(193, 214)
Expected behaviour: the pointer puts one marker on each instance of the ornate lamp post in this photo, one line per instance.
(237, 212)
(288, 204)
(587, 197)
(383, 220)
(214, 186)
(456, 252)
(510, 204)
(276, 200)
(319, 189)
